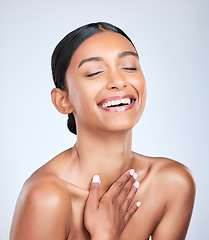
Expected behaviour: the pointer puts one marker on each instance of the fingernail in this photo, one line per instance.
(135, 176)
(96, 179)
(136, 184)
(132, 172)
(138, 204)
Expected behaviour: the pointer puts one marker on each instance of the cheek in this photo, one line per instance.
(142, 98)
(78, 99)
(138, 82)
(82, 95)
(140, 86)
(142, 93)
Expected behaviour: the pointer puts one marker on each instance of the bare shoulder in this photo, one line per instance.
(43, 199)
(45, 189)
(174, 173)
(168, 173)
(169, 189)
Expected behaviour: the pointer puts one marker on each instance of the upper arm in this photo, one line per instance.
(42, 212)
(180, 195)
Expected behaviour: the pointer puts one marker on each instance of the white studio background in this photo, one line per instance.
(172, 40)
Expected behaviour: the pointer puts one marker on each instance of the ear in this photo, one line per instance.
(61, 101)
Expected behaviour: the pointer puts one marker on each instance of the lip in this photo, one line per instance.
(117, 108)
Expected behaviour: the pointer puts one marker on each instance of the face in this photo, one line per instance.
(105, 83)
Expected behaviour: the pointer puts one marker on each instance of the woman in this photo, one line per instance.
(91, 191)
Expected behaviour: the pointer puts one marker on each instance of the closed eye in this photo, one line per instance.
(130, 69)
(93, 74)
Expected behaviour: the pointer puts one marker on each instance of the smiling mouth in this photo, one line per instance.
(117, 104)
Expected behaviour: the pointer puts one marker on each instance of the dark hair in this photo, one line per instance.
(65, 49)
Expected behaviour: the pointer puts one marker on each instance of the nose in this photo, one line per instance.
(116, 81)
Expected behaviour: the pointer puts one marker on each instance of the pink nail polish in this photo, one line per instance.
(96, 179)
(135, 176)
(136, 184)
(132, 172)
(138, 204)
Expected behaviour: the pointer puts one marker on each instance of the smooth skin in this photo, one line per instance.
(60, 201)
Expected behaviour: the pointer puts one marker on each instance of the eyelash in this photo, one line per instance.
(131, 69)
(93, 74)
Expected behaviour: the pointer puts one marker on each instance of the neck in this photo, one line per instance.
(108, 155)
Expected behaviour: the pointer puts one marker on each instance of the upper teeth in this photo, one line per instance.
(117, 102)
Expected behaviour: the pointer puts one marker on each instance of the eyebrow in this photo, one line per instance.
(128, 53)
(89, 60)
(122, 54)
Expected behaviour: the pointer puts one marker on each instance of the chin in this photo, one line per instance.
(122, 125)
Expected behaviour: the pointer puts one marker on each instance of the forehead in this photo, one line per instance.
(101, 44)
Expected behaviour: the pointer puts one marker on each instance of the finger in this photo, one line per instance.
(92, 202)
(127, 189)
(117, 186)
(130, 196)
(131, 211)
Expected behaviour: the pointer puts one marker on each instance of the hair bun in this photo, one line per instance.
(71, 123)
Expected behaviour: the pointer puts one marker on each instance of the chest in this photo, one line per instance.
(140, 226)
